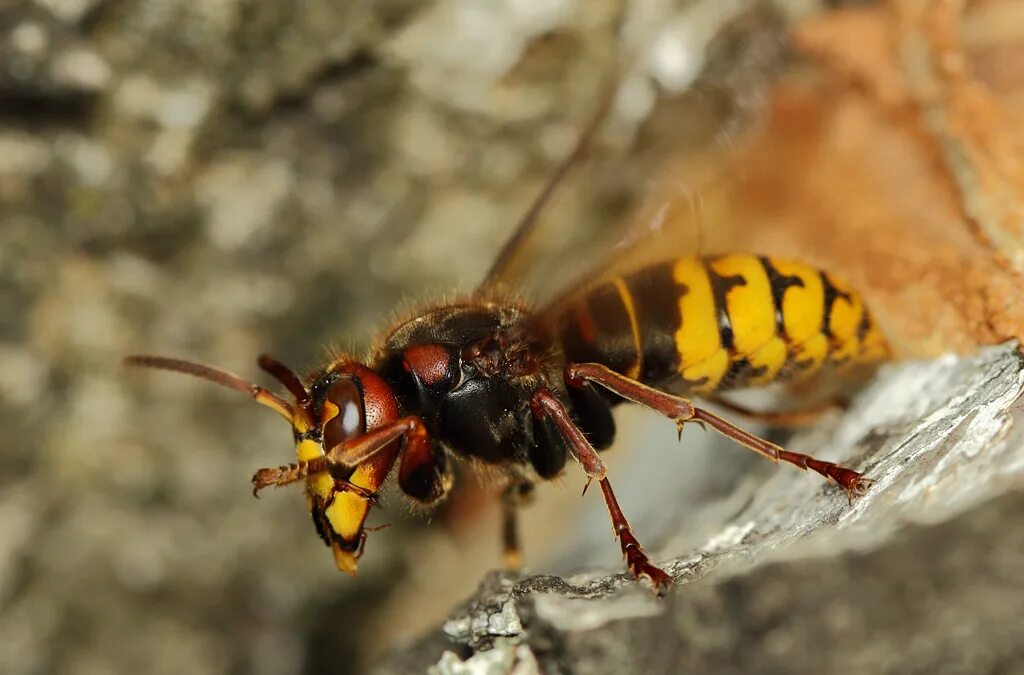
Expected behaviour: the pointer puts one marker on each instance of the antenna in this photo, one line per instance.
(224, 379)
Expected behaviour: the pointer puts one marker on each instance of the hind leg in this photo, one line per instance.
(783, 419)
(681, 410)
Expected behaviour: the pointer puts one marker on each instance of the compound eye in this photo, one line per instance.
(350, 421)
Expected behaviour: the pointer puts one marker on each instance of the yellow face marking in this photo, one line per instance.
(348, 511)
(627, 302)
(803, 307)
(697, 339)
(300, 424)
(321, 484)
(750, 306)
(308, 450)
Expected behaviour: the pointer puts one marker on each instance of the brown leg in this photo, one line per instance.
(681, 411)
(515, 496)
(345, 486)
(545, 404)
(789, 419)
(279, 476)
(350, 453)
(637, 561)
(512, 552)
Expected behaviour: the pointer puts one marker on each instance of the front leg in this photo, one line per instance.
(546, 405)
(681, 411)
(348, 454)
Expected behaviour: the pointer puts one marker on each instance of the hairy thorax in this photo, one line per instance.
(468, 371)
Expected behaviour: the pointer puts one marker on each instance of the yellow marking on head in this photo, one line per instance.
(803, 307)
(348, 511)
(307, 450)
(697, 339)
(329, 412)
(627, 302)
(750, 306)
(301, 422)
(320, 484)
(346, 514)
(345, 560)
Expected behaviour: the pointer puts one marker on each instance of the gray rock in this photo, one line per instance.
(919, 575)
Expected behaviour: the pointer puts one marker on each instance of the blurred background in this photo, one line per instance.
(216, 179)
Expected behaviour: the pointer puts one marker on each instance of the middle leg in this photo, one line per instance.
(545, 404)
(515, 495)
(783, 419)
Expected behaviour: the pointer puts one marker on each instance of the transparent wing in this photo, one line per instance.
(502, 267)
(683, 208)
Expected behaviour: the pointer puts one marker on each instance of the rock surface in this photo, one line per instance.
(920, 575)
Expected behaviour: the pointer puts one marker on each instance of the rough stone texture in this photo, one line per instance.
(920, 575)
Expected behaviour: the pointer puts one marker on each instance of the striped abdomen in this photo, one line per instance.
(721, 322)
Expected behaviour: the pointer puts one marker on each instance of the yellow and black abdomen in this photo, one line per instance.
(721, 322)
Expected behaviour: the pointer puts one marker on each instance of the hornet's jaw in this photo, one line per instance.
(345, 560)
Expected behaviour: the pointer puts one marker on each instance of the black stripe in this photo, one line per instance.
(613, 327)
(779, 283)
(831, 294)
(656, 296)
(320, 522)
(740, 372)
(864, 327)
(570, 332)
(720, 287)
